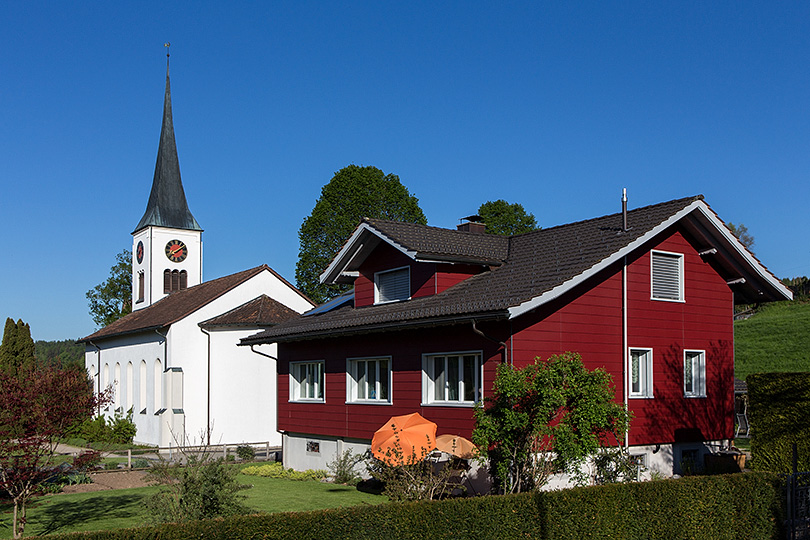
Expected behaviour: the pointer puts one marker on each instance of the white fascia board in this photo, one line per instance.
(698, 205)
(347, 254)
(752, 261)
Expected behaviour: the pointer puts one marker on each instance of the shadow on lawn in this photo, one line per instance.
(59, 514)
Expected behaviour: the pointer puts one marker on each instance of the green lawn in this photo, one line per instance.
(123, 508)
(775, 339)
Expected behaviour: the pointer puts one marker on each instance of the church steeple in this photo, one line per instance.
(167, 206)
(167, 243)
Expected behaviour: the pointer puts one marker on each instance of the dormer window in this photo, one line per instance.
(392, 285)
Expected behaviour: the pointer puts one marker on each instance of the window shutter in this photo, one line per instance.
(394, 285)
(666, 276)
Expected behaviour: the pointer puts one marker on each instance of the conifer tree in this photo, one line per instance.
(17, 348)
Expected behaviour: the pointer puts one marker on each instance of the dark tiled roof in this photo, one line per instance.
(444, 244)
(176, 306)
(536, 263)
(167, 206)
(261, 311)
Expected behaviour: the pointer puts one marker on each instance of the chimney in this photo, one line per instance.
(472, 224)
(624, 209)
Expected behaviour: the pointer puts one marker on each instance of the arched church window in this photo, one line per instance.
(117, 386)
(183, 279)
(167, 281)
(142, 388)
(175, 280)
(158, 374)
(140, 286)
(130, 396)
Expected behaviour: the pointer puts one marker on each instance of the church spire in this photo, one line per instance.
(167, 206)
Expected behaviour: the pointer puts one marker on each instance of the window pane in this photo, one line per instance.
(452, 378)
(319, 380)
(687, 374)
(438, 378)
(384, 376)
(470, 372)
(371, 373)
(635, 375)
(361, 380)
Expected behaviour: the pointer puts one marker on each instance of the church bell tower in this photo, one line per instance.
(167, 243)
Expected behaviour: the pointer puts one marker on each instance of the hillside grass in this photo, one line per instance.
(123, 508)
(775, 339)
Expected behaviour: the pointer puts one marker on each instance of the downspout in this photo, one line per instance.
(501, 343)
(208, 388)
(261, 353)
(625, 349)
(98, 372)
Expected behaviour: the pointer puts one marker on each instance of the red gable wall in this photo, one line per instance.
(587, 320)
(426, 278)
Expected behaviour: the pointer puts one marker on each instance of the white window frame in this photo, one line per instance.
(361, 393)
(296, 384)
(694, 373)
(667, 254)
(377, 276)
(645, 375)
(429, 389)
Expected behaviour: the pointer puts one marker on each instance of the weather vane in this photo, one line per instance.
(167, 45)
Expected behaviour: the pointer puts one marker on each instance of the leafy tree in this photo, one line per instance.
(17, 348)
(353, 193)
(742, 234)
(500, 217)
(545, 418)
(35, 408)
(111, 300)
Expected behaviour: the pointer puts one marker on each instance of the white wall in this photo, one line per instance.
(242, 383)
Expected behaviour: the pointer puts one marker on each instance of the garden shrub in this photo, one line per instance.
(275, 470)
(245, 452)
(342, 467)
(118, 430)
(780, 417)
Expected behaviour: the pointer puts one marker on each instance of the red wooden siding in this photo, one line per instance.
(426, 278)
(336, 418)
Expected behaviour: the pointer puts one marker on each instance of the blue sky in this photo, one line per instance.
(555, 105)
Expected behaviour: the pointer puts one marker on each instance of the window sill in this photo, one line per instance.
(369, 402)
(676, 301)
(461, 404)
(306, 401)
(640, 397)
(687, 396)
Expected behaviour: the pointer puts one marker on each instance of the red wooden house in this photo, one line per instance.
(648, 295)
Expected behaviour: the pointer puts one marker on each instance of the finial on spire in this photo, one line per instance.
(168, 46)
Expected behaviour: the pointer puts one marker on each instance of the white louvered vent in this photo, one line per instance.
(667, 276)
(393, 285)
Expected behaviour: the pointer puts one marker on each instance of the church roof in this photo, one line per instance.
(167, 206)
(177, 306)
(261, 311)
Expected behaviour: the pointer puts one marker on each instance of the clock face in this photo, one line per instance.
(139, 252)
(176, 251)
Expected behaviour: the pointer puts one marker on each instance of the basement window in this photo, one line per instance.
(392, 285)
(667, 276)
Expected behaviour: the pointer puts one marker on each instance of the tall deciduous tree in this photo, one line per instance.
(17, 348)
(544, 418)
(742, 234)
(36, 406)
(500, 217)
(353, 193)
(111, 300)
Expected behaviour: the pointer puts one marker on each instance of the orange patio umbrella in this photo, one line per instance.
(457, 446)
(404, 439)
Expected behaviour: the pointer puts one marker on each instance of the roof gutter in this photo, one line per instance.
(394, 325)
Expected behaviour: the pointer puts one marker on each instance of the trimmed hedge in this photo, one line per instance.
(780, 416)
(715, 507)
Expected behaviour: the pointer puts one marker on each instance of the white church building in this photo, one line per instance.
(174, 360)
